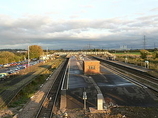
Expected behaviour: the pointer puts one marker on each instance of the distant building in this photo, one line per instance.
(91, 66)
(123, 47)
(23, 51)
(45, 57)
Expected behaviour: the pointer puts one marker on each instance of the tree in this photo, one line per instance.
(144, 53)
(35, 51)
(155, 54)
(7, 57)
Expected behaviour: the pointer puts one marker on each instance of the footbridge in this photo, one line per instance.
(83, 53)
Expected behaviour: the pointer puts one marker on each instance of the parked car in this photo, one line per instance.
(1, 66)
(4, 76)
(6, 65)
(11, 72)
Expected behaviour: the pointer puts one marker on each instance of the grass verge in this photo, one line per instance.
(25, 94)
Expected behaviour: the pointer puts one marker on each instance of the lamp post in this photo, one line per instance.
(28, 56)
(84, 98)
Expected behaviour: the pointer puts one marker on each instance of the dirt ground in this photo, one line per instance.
(120, 112)
(123, 112)
(137, 112)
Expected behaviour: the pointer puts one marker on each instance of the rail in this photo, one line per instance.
(140, 78)
(51, 100)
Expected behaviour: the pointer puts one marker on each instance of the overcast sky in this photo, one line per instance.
(78, 24)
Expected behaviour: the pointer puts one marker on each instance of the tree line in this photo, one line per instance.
(34, 51)
(144, 54)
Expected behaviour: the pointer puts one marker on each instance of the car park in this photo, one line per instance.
(14, 68)
(12, 72)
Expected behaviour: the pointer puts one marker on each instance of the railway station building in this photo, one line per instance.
(91, 66)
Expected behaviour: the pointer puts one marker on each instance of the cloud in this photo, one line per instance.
(43, 30)
(74, 16)
(149, 17)
(87, 6)
(154, 9)
(49, 13)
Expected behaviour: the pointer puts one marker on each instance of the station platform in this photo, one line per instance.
(115, 89)
(132, 66)
(75, 78)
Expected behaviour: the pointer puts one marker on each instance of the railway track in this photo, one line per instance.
(135, 76)
(51, 102)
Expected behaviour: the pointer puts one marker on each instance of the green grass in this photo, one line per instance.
(28, 91)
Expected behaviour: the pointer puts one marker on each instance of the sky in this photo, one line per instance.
(78, 24)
